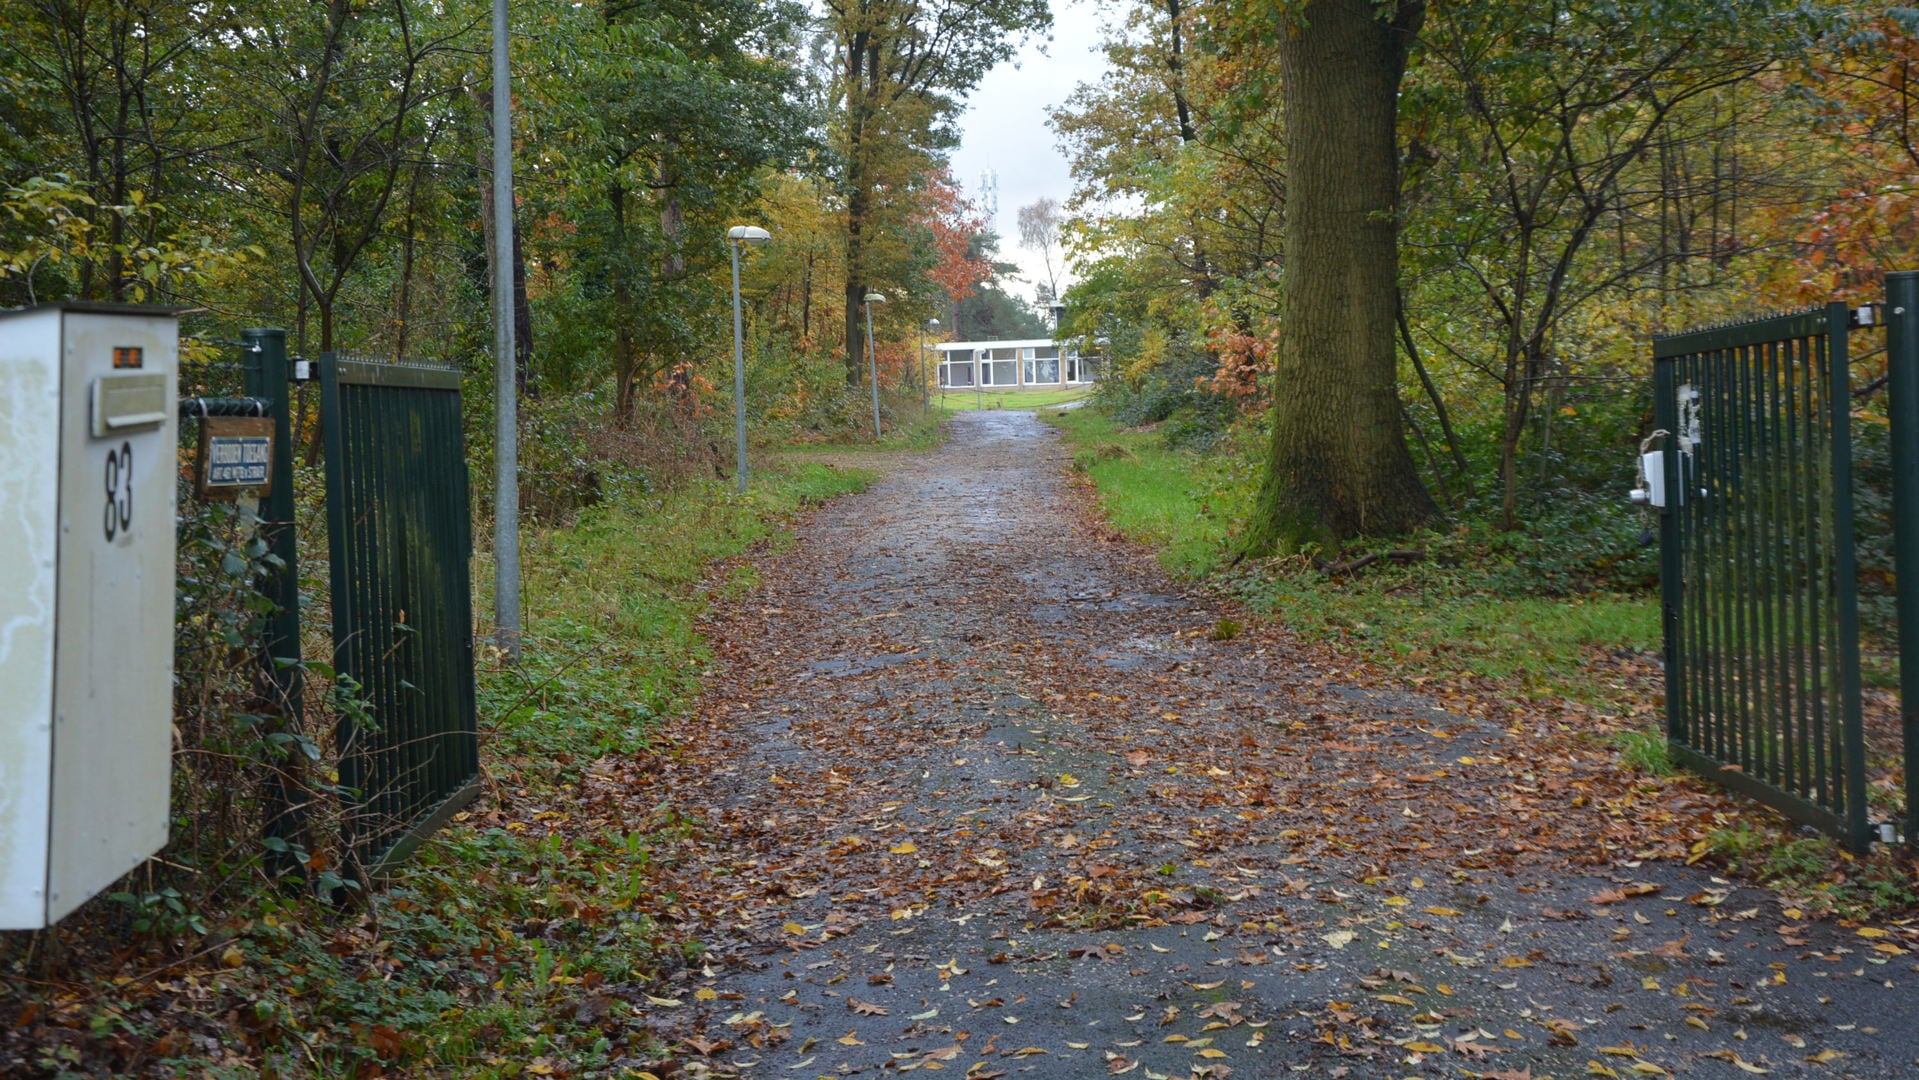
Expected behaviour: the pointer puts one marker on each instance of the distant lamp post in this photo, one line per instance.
(873, 360)
(926, 388)
(737, 235)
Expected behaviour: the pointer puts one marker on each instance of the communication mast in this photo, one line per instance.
(989, 194)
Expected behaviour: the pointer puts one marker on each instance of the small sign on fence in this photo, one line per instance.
(236, 455)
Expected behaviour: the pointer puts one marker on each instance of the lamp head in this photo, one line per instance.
(750, 234)
(875, 298)
(932, 324)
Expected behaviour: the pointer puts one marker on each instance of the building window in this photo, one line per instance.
(956, 373)
(999, 372)
(1041, 369)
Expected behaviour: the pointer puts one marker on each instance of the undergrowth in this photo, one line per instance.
(1472, 605)
(1813, 872)
(1181, 502)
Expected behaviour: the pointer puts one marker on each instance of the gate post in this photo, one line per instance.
(1671, 567)
(1902, 389)
(267, 378)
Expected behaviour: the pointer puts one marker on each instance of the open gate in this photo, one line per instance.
(1759, 593)
(399, 531)
(1758, 572)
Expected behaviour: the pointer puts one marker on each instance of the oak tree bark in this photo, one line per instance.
(1339, 466)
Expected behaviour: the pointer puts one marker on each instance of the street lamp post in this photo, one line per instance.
(506, 415)
(873, 360)
(926, 388)
(737, 235)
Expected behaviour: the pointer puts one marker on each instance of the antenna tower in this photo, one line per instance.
(989, 193)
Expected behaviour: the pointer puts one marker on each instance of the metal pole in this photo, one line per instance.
(739, 374)
(874, 363)
(1902, 389)
(926, 391)
(1671, 584)
(506, 430)
(266, 378)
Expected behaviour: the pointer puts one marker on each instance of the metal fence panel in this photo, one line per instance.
(1759, 594)
(400, 536)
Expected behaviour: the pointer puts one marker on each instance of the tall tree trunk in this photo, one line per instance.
(859, 201)
(403, 291)
(806, 298)
(1519, 404)
(855, 339)
(527, 385)
(1339, 464)
(1203, 283)
(626, 350)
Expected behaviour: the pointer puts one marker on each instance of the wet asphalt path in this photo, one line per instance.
(978, 790)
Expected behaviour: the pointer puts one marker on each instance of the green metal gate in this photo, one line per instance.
(400, 537)
(1760, 602)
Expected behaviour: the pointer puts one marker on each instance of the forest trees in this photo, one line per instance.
(1569, 178)
(1174, 222)
(903, 66)
(666, 118)
(324, 166)
(85, 95)
(1542, 132)
(349, 94)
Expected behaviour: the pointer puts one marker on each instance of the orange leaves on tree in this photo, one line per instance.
(954, 222)
(1869, 227)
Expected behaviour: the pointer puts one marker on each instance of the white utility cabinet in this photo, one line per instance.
(88, 463)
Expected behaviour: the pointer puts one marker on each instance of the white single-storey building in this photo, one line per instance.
(1002, 365)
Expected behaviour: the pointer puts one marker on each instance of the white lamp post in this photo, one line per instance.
(506, 416)
(873, 360)
(737, 235)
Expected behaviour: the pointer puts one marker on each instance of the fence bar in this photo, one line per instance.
(1678, 637)
(267, 380)
(1902, 387)
(1846, 581)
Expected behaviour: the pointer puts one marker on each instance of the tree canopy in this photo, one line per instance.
(1558, 180)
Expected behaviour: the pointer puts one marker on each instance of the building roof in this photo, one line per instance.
(1020, 343)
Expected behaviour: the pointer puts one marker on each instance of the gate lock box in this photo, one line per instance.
(88, 466)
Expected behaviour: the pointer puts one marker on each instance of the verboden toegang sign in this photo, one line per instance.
(236, 456)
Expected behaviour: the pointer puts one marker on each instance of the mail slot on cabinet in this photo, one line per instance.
(87, 501)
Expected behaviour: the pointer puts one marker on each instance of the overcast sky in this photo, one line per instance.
(1004, 130)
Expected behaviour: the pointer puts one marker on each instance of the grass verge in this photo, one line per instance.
(1451, 615)
(552, 882)
(1182, 503)
(610, 608)
(970, 400)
